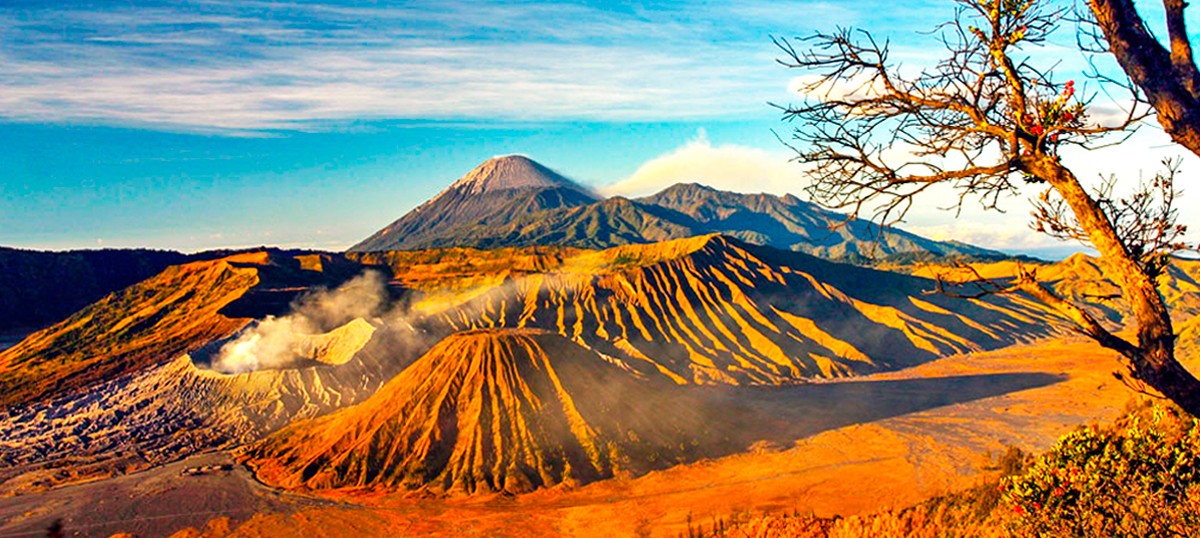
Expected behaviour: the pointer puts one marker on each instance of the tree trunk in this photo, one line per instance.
(1169, 78)
(1165, 374)
(1152, 360)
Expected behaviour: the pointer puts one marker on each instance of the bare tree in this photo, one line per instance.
(984, 121)
(1168, 76)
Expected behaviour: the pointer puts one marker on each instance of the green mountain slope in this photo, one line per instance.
(789, 223)
(514, 202)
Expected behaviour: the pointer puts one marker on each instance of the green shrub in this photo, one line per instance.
(1140, 477)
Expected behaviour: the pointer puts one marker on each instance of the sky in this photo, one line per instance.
(193, 125)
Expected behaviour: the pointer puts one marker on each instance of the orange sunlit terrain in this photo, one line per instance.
(577, 391)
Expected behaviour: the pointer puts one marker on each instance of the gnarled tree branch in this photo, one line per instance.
(1169, 78)
(984, 122)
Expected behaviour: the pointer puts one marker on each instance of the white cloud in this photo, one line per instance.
(726, 167)
(996, 231)
(748, 169)
(494, 81)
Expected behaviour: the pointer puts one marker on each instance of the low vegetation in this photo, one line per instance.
(1139, 476)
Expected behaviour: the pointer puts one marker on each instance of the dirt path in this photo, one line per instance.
(155, 502)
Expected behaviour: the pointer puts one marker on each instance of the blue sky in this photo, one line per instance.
(193, 125)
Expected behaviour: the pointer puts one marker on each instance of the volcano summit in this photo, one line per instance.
(495, 193)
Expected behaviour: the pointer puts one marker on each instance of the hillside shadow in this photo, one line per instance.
(783, 415)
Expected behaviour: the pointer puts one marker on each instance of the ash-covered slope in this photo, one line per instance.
(1085, 279)
(604, 224)
(486, 411)
(167, 412)
(713, 309)
(270, 336)
(179, 310)
(494, 194)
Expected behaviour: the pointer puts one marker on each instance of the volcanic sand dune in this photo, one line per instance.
(492, 410)
(712, 309)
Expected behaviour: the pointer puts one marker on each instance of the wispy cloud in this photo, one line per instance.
(277, 65)
(262, 64)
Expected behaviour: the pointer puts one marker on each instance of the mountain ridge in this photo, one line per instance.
(32, 293)
(715, 310)
(179, 310)
(514, 201)
(706, 313)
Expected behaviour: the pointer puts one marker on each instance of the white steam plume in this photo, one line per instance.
(278, 342)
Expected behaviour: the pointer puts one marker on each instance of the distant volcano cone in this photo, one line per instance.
(493, 195)
(486, 411)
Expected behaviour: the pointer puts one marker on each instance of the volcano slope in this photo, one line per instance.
(705, 310)
(168, 412)
(495, 193)
(492, 410)
(712, 309)
(1082, 278)
(180, 309)
(652, 314)
(109, 338)
(112, 390)
(32, 290)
